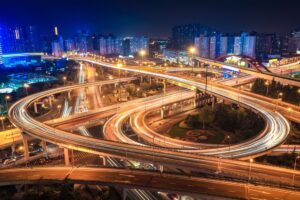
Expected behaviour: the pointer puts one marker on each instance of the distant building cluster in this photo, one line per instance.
(212, 44)
(26, 39)
(209, 43)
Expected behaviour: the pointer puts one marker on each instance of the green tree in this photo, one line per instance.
(206, 115)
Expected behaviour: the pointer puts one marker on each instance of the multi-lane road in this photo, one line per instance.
(278, 129)
(145, 180)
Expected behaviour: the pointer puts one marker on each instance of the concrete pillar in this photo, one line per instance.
(162, 113)
(44, 147)
(26, 149)
(161, 168)
(67, 156)
(35, 107)
(50, 101)
(13, 149)
(69, 94)
(103, 160)
(141, 79)
(165, 86)
(150, 80)
(124, 194)
(100, 89)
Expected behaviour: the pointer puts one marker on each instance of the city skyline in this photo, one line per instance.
(153, 19)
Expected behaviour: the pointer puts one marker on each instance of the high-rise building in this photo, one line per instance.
(237, 46)
(1, 54)
(183, 36)
(110, 45)
(84, 42)
(31, 39)
(70, 45)
(57, 49)
(119, 45)
(294, 42)
(20, 39)
(248, 45)
(138, 43)
(230, 44)
(46, 44)
(223, 45)
(126, 47)
(132, 45)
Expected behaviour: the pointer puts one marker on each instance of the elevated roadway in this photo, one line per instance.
(145, 180)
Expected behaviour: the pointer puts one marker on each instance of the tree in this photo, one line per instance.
(206, 115)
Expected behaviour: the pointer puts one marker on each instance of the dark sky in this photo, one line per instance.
(153, 17)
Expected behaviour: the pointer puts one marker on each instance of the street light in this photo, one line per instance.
(59, 107)
(298, 91)
(7, 98)
(64, 79)
(26, 86)
(280, 94)
(250, 164)
(290, 110)
(267, 84)
(295, 166)
(228, 137)
(2, 118)
(192, 51)
(142, 53)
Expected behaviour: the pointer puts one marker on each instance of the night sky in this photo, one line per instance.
(154, 18)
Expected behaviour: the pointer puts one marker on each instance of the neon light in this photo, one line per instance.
(230, 68)
(21, 54)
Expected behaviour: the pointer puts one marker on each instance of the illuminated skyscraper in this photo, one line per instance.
(1, 59)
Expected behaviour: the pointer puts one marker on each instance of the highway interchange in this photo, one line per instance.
(276, 131)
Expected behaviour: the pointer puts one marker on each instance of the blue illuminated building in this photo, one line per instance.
(1, 60)
(24, 59)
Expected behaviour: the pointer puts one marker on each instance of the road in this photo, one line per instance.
(145, 180)
(230, 168)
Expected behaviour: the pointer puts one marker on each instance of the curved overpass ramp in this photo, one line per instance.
(145, 180)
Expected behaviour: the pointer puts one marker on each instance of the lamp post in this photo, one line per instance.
(228, 137)
(59, 107)
(2, 118)
(249, 175)
(64, 79)
(142, 53)
(26, 86)
(7, 98)
(298, 91)
(295, 166)
(267, 85)
(250, 165)
(280, 94)
(192, 51)
(290, 110)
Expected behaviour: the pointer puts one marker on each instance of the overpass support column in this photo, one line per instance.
(161, 168)
(103, 160)
(35, 107)
(50, 101)
(100, 89)
(69, 94)
(13, 149)
(165, 86)
(44, 147)
(67, 156)
(141, 79)
(124, 194)
(150, 80)
(162, 113)
(213, 102)
(26, 149)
